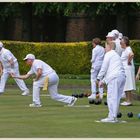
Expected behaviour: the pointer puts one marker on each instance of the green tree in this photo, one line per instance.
(68, 8)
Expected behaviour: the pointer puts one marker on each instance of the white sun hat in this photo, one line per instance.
(29, 56)
(110, 34)
(116, 32)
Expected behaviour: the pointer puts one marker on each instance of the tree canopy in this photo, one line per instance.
(87, 8)
(68, 8)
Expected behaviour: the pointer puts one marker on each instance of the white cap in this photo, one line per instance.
(1, 44)
(29, 56)
(116, 32)
(110, 34)
(120, 35)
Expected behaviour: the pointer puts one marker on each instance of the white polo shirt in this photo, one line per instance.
(39, 64)
(97, 56)
(5, 57)
(112, 67)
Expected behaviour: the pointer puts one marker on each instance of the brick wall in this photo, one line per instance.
(61, 29)
(75, 29)
(86, 28)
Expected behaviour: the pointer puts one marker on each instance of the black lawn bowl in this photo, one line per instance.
(75, 95)
(119, 115)
(81, 95)
(130, 114)
(105, 102)
(91, 101)
(98, 101)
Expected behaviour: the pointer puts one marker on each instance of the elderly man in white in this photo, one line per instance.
(113, 73)
(42, 71)
(9, 64)
(97, 59)
(114, 36)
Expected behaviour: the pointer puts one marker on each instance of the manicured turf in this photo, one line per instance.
(53, 120)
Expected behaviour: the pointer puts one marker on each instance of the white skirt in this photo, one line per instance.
(130, 78)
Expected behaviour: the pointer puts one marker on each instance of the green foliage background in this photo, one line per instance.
(65, 58)
(67, 8)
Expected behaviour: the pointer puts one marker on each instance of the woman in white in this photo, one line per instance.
(43, 70)
(127, 59)
(97, 59)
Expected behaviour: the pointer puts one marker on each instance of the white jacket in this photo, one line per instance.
(112, 67)
(97, 56)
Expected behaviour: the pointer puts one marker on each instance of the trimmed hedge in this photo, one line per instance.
(65, 58)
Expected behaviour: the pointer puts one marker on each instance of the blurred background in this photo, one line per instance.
(67, 21)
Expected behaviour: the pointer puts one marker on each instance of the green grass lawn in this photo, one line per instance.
(53, 120)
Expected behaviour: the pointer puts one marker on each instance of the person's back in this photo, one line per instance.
(99, 52)
(112, 72)
(5, 57)
(114, 64)
(46, 69)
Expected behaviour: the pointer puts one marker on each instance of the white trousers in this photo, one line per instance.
(114, 91)
(94, 88)
(19, 82)
(52, 88)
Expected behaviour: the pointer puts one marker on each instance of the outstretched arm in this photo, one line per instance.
(21, 76)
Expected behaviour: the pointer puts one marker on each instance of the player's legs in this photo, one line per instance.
(93, 79)
(113, 98)
(3, 80)
(36, 93)
(53, 90)
(115, 90)
(121, 83)
(94, 73)
(21, 84)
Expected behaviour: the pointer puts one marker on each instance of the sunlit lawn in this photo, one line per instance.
(54, 120)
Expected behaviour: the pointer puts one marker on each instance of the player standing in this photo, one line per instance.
(9, 64)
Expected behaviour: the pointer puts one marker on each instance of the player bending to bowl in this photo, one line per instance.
(43, 71)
